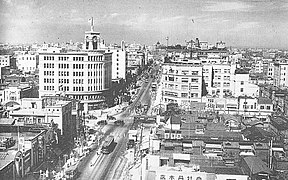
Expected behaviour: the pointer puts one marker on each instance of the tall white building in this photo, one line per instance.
(118, 63)
(85, 75)
(80, 75)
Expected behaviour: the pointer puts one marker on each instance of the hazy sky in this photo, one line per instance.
(237, 22)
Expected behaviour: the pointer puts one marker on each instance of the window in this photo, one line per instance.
(241, 90)
(194, 80)
(242, 82)
(268, 107)
(185, 80)
(261, 107)
(195, 73)
(185, 72)
(184, 95)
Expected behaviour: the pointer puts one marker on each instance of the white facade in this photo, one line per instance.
(26, 62)
(241, 86)
(283, 75)
(270, 71)
(118, 63)
(79, 75)
(4, 60)
(181, 83)
(218, 78)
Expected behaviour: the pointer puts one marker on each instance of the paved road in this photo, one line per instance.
(104, 163)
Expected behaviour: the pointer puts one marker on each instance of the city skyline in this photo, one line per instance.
(258, 23)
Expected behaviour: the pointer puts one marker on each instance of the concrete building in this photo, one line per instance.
(15, 92)
(182, 83)
(241, 86)
(118, 63)
(281, 74)
(218, 78)
(18, 162)
(80, 75)
(60, 113)
(135, 60)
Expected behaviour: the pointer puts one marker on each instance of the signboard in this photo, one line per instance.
(21, 144)
(183, 176)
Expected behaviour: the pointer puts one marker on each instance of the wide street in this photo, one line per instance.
(101, 166)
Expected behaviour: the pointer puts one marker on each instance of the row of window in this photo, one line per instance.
(78, 66)
(78, 81)
(48, 73)
(218, 91)
(219, 77)
(63, 88)
(49, 88)
(219, 70)
(185, 72)
(49, 58)
(94, 73)
(95, 58)
(78, 73)
(90, 81)
(63, 73)
(61, 58)
(27, 58)
(63, 66)
(192, 95)
(78, 88)
(185, 80)
(65, 81)
(90, 66)
(78, 58)
(48, 80)
(48, 65)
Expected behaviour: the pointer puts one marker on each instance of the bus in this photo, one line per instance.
(108, 145)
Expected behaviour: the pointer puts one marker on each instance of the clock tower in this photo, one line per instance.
(92, 39)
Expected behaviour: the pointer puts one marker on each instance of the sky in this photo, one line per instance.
(242, 23)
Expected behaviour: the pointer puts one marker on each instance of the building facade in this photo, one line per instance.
(83, 76)
(182, 83)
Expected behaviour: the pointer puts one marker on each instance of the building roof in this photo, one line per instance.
(222, 170)
(174, 119)
(7, 121)
(256, 165)
(262, 100)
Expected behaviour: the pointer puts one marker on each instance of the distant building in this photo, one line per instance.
(4, 60)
